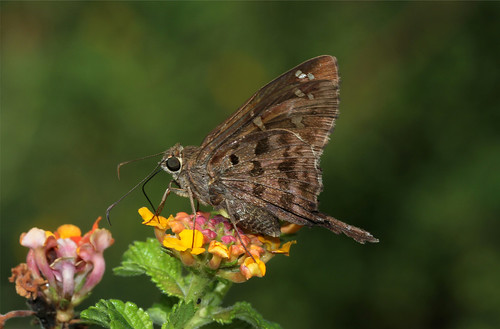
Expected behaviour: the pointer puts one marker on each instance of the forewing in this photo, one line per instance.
(304, 98)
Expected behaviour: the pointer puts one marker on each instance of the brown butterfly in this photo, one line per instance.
(261, 165)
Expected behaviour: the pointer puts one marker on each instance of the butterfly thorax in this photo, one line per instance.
(180, 162)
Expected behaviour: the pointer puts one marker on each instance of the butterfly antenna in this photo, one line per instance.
(148, 177)
(135, 160)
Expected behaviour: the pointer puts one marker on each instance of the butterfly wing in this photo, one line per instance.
(285, 181)
(265, 157)
(285, 174)
(295, 85)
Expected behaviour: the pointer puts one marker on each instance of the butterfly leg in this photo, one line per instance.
(167, 192)
(163, 199)
(191, 200)
(233, 222)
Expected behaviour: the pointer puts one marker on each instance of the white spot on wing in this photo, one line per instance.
(258, 122)
(299, 74)
(310, 76)
(297, 121)
(299, 93)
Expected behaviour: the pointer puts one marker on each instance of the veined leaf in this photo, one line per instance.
(243, 311)
(115, 314)
(148, 258)
(181, 314)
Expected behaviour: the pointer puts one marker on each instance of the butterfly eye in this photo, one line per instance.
(173, 164)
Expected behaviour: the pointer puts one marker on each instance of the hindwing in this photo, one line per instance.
(274, 169)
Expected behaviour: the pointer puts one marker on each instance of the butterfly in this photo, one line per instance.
(261, 165)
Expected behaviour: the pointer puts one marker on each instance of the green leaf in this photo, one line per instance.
(236, 324)
(96, 315)
(243, 311)
(115, 314)
(148, 258)
(158, 314)
(181, 314)
(159, 311)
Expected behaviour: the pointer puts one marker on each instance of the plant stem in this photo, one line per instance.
(208, 292)
(200, 285)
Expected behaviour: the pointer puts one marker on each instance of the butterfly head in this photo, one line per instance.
(172, 160)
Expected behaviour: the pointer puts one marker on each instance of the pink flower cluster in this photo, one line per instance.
(70, 264)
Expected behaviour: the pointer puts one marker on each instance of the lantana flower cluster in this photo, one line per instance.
(62, 267)
(214, 245)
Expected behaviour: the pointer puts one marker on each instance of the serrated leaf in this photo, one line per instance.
(159, 312)
(96, 315)
(181, 314)
(115, 314)
(157, 315)
(236, 324)
(129, 269)
(243, 311)
(148, 258)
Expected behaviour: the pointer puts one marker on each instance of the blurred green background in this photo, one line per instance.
(414, 159)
